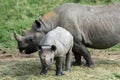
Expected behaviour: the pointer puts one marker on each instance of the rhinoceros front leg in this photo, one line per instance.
(44, 68)
(77, 55)
(85, 53)
(59, 62)
(43, 71)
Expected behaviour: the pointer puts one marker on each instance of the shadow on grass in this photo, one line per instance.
(21, 69)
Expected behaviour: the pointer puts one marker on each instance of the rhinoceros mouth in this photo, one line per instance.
(22, 51)
(25, 52)
(28, 50)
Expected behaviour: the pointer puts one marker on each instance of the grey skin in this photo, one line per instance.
(56, 44)
(96, 27)
(29, 41)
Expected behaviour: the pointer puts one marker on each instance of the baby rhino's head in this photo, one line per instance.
(46, 54)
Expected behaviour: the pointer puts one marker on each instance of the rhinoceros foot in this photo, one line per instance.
(59, 73)
(76, 63)
(43, 72)
(90, 65)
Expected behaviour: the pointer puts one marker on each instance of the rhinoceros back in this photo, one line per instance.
(59, 37)
(95, 26)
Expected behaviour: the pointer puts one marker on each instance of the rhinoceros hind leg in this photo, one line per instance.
(68, 61)
(77, 61)
(86, 55)
(77, 55)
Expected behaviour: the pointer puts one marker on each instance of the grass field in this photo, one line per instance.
(16, 15)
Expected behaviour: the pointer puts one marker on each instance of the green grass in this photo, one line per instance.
(20, 14)
(16, 15)
(29, 70)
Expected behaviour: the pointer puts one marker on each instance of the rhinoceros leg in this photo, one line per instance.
(68, 61)
(85, 53)
(43, 71)
(77, 55)
(59, 62)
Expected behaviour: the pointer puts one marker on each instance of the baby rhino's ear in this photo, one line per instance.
(40, 47)
(53, 47)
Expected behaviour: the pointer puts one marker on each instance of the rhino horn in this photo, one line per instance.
(17, 36)
(24, 32)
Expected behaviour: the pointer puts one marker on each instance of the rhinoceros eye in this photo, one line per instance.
(29, 41)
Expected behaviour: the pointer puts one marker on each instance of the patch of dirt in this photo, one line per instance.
(96, 54)
(103, 54)
(6, 56)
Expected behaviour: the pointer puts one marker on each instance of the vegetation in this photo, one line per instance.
(29, 69)
(16, 15)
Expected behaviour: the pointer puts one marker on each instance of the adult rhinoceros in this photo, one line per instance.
(91, 26)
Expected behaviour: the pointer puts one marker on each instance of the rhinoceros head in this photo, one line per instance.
(46, 54)
(28, 42)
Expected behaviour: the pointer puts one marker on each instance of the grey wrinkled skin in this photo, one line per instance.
(57, 44)
(91, 26)
(29, 42)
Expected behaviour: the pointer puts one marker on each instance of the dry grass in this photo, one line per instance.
(106, 68)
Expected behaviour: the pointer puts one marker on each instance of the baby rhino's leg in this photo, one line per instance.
(59, 61)
(68, 61)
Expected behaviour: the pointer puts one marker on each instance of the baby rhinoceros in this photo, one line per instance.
(56, 44)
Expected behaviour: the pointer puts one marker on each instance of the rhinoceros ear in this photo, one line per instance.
(53, 47)
(38, 23)
(40, 47)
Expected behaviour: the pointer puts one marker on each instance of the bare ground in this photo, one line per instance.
(96, 54)
(107, 67)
